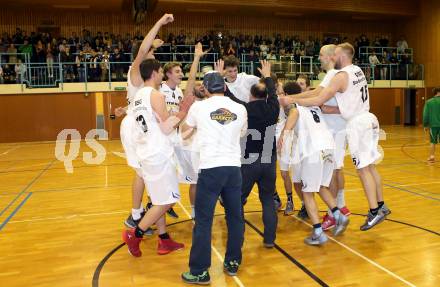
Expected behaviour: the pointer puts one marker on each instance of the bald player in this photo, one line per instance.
(350, 88)
(337, 126)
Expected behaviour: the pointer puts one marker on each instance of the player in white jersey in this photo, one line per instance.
(155, 152)
(337, 126)
(313, 165)
(238, 83)
(173, 95)
(285, 153)
(134, 84)
(350, 88)
(284, 160)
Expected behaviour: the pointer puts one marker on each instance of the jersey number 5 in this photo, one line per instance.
(364, 91)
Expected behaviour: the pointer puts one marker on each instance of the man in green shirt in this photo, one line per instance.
(431, 120)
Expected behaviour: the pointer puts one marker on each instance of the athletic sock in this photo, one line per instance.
(289, 197)
(276, 196)
(374, 211)
(340, 198)
(164, 236)
(380, 204)
(336, 213)
(137, 213)
(139, 233)
(317, 228)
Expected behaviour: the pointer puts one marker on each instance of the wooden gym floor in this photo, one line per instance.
(61, 229)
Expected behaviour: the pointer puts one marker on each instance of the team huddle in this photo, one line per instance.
(196, 137)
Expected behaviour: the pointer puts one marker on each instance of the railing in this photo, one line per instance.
(365, 52)
(284, 66)
(54, 74)
(392, 72)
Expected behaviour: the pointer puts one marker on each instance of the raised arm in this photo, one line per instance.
(135, 76)
(268, 81)
(219, 67)
(198, 54)
(157, 43)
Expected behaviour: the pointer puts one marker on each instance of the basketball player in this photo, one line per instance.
(291, 88)
(431, 120)
(173, 95)
(304, 82)
(313, 165)
(283, 159)
(188, 149)
(350, 88)
(238, 83)
(134, 84)
(155, 151)
(337, 126)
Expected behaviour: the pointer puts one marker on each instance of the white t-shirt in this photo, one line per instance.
(152, 145)
(172, 97)
(131, 90)
(220, 122)
(355, 100)
(335, 122)
(241, 87)
(312, 134)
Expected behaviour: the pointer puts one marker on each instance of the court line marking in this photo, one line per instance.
(290, 257)
(356, 253)
(62, 168)
(398, 188)
(219, 256)
(361, 256)
(68, 217)
(15, 211)
(9, 150)
(27, 187)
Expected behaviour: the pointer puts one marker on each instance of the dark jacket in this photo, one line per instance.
(263, 117)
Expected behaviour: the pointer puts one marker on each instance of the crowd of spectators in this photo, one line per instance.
(104, 52)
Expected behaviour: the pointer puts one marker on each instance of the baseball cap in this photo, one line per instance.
(214, 82)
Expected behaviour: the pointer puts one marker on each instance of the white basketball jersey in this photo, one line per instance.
(335, 122)
(355, 100)
(172, 97)
(131, 90)
(312, 134)
(280, 123)
(152, 145)
(328, 77)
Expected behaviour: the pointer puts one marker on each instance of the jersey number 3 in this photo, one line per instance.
(364, 91)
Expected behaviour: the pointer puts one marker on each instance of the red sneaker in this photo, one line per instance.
(165, 246)
(328, 222)
(132, 242)
(345, 211)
